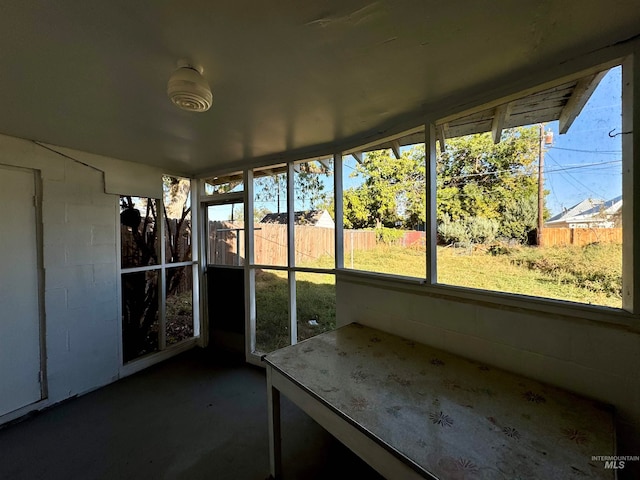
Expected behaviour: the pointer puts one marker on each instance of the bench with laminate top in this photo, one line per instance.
(412, 411)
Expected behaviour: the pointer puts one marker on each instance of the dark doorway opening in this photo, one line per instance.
(225, 300)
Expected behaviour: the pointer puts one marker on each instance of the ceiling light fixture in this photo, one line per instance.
(188, 89)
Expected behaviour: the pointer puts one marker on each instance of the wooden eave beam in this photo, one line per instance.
(500, 116)
(395, 146)
(325, 164)
(580, 96)
(441, 135)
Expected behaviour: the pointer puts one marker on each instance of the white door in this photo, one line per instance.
(19, 298)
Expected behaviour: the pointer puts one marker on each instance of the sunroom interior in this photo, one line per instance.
(133, 246)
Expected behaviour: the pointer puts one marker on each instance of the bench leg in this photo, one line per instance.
(275, 446)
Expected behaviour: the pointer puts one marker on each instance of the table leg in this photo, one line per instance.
(275, 446)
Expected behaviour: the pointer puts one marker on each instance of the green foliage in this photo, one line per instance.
(453, 231)
(477, 179)
(393, 190)
(594, 267)
(468, 230)
(389, 236)
(519, 217)
(482, 230)
(484, 190)
(308, 186)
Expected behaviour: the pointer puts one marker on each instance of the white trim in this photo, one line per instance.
(42, 306)
(138, 269)
(147, 361)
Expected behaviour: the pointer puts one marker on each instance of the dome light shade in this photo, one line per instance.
(188, 89)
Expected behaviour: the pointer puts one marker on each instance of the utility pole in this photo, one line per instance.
(540, 187)
(545, 139)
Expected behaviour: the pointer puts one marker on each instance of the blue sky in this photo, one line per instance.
(586, 162)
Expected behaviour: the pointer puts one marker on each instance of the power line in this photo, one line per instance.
(604, 152)
(575, 179)
(560, 169)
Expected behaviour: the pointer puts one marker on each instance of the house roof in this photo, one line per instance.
(588, 210)
(290, 80)
(303, 217)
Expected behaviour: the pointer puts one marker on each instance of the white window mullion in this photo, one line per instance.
(195, 255)
(339, 210)
(630, 178)
(162, 310)
(249, 271)
(291, 254)
(431, 211)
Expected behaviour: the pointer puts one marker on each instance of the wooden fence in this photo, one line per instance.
(580, 236)
(226, 239)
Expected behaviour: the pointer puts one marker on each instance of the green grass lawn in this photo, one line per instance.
(591, 274)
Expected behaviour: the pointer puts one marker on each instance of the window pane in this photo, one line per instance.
(270, 215)
(139, 314)
(179, 304)
(385, 209)
(488, 196)
(138, 232)
(177, 212)
(226, 234)
(315, 303)
(314, 217)
(272, 310)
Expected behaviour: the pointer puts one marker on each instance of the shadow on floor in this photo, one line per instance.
(191, 417)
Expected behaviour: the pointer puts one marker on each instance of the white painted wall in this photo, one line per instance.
(590, 358)
(79, 228)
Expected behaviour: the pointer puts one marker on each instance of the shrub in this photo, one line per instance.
(471, 230)
(389, 236)
(482, 230)
(453, 231)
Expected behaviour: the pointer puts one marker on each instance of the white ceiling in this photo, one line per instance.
(286, 75)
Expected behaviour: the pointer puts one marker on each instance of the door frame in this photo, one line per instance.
(40, 279)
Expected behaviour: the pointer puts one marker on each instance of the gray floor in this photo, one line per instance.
(191, 417)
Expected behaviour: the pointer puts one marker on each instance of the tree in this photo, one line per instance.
(479, 179)
(392, 193)
(308, 185)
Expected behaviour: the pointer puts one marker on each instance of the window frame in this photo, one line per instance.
(628, 313)
(136, 364)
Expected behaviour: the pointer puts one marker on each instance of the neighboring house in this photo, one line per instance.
(311, 218)
(589, 213)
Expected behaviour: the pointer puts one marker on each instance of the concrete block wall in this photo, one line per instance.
(79, 249)
(80, 258)
(594, 359)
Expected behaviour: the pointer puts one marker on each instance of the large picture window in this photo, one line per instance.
(529, 194)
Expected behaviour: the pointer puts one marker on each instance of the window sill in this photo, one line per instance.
(511, 301)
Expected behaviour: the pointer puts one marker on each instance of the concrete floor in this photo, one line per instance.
(191, 417)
